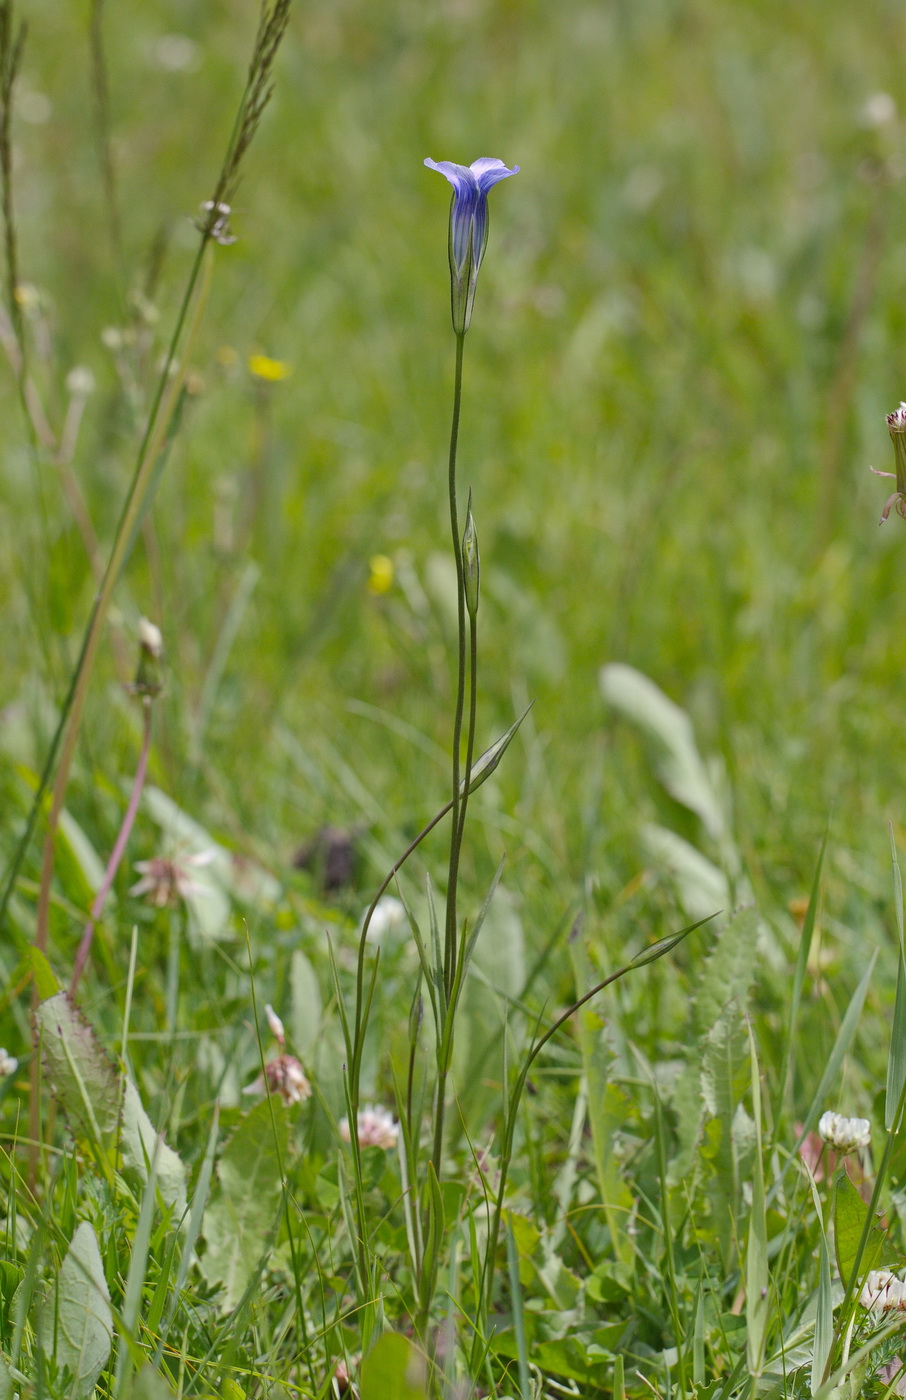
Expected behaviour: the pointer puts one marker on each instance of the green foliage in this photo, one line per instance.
(691, 327)
(240, 1222)
(75, 1324)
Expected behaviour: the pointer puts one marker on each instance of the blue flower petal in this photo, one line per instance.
(465, 197)
(488, 171)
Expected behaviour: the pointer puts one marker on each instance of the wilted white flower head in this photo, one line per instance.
(276, 1025)
(844, 1134)
(376, 1127)
(166, 879)
(150, 638)
(283, 1076)
(8, 1063)
(883, 1292)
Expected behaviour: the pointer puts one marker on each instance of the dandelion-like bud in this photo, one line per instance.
(148, 679)
(8, 1064)
(471, 564)
(376, 1127)
(283, 1076)
(468, 227)
(844, 1134)
(276, 1025)
(883, 1292)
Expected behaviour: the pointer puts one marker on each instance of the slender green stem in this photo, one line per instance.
(456, 831)
(445, 1049)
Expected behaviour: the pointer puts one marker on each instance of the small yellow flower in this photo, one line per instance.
(263, 367)
(381, 577)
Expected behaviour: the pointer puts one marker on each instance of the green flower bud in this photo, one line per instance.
(471, 564)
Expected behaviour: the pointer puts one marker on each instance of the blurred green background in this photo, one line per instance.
(688, 330)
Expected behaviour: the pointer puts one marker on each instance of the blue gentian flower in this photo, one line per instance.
(468, 227)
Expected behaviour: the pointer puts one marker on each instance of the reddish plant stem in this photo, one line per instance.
(116, 854)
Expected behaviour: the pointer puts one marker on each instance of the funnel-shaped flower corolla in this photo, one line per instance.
(468, 227)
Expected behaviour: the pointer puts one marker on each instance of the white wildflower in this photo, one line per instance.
(844, 1134)
(8, 1063)
(879, 110)
(883, 1292)
(376, 1127)
(389, 914)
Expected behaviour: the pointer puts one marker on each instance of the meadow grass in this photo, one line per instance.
(689, 328)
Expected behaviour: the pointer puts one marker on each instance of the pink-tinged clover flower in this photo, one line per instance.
(283, 1076)
(468, 227)
(376, 1128)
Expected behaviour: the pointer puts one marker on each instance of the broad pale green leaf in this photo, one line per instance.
(393, 1370)
(700, 886)
(75, 1324)
(84, 1077)
(677, 760)
(849, 1219)
(209, 906)
(239, 1222)
(46, 982)
(306, 1002)
(102, 1106)
(138, 1143)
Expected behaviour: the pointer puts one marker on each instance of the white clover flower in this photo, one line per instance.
(80, 382)
(844, 1134)
(878, 110)
(8, 1063)
(883, 1292)
(389, 913)
(276, 1025)
(376, 1127)
(283, 1076)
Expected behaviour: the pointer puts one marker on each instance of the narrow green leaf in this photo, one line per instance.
(805, 945)
(666, 945)
(824, 1318)
(512, 1254)
(845, 1037)
(757, 1278)
(896, 1058)
(484, 766)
